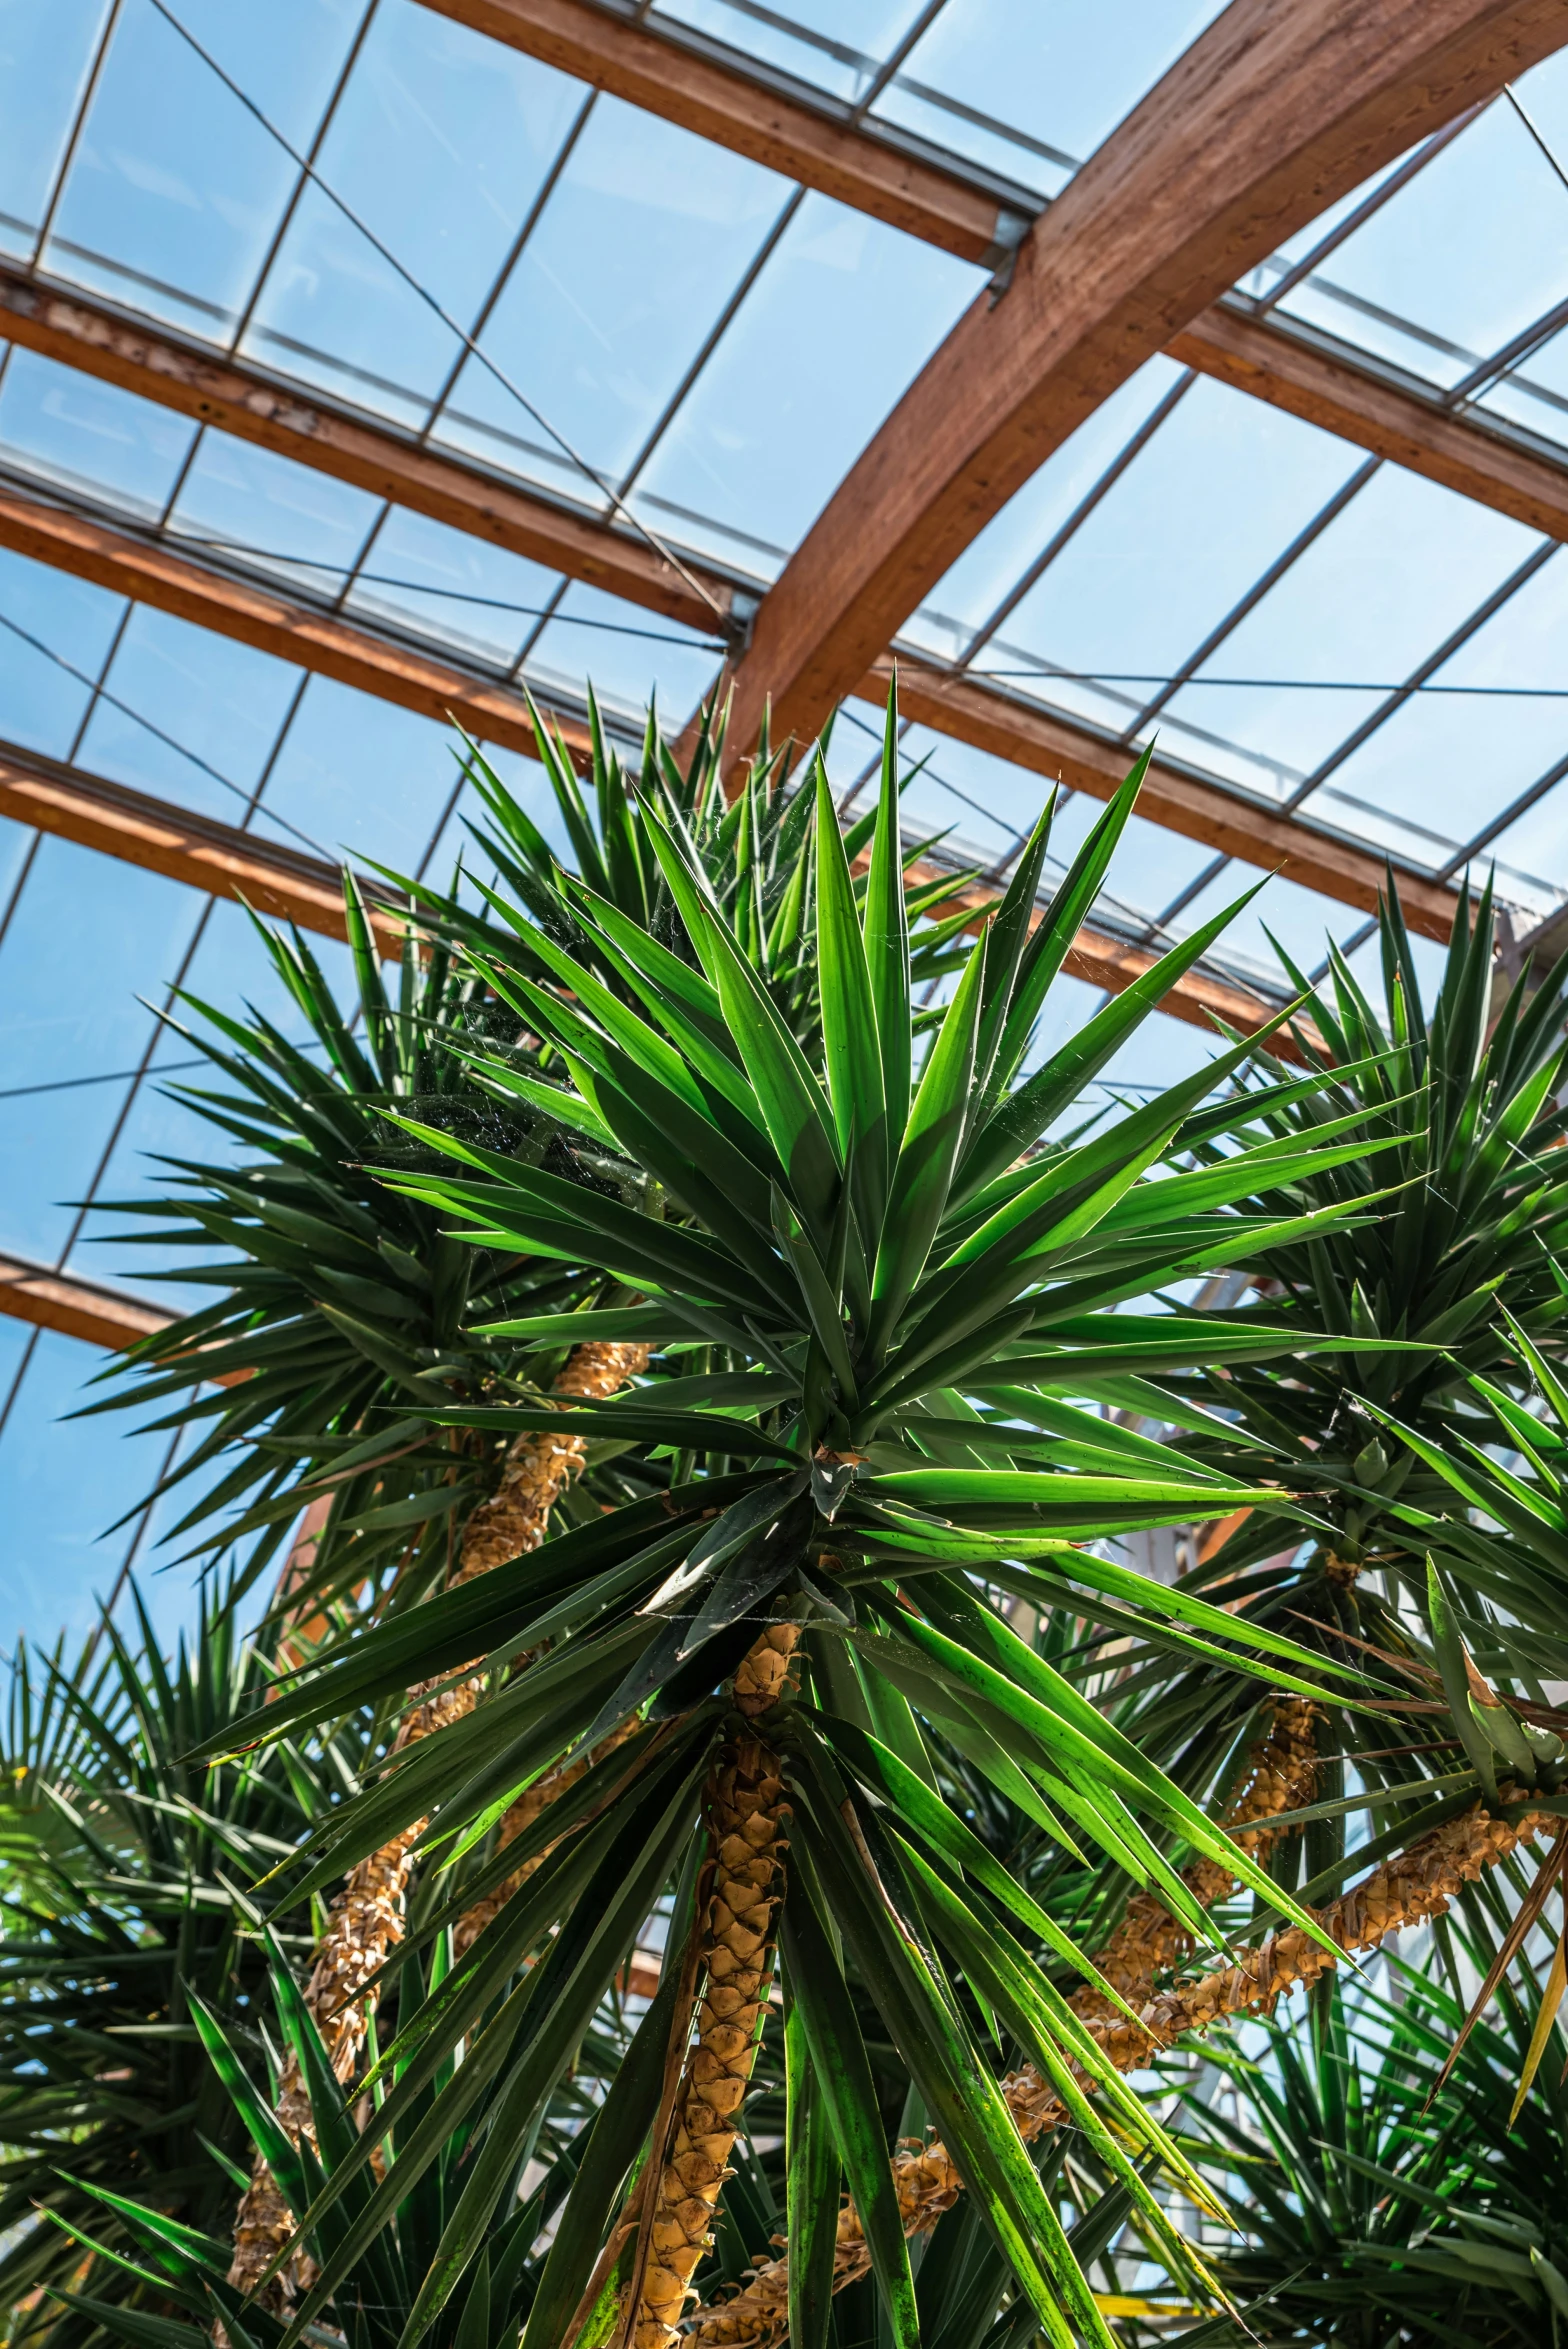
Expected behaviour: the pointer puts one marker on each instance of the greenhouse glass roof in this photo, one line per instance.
(411, 229)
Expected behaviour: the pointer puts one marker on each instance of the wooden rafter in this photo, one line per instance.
(1277, 109)
(76, 1308)
(216, 858)
(1379, 408)
(772, 119)
(798, 133)
(397, 668)
(1011, 727)
(254, 405)
(394, 668)
(282, 882)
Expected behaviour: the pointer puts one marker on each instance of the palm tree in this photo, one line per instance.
(343, 1301)
(874, 1293)
(1465, 1112)
(171, 2273)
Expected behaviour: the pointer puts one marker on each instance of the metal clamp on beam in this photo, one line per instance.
(1001, 254)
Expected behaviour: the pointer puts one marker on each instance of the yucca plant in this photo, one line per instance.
(123, 1904)
(1474, 1193)
(184, 2294)
(345, 1313)
(1379, 2200)
(873, 1294)
(174, 2289)
(340, 1307)
(340, 1299)
(753, 848)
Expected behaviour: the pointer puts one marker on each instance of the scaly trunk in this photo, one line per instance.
(515, 1821)
(1409, 1890)
(367, 1915)
(746, 1816)
(1149, 1941)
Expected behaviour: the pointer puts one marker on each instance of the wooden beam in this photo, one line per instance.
(217, 858)
(1401, 422)
(229, 863)
(77, 1308)
(1198, 999)
(1291, 367)
(1011, 727)
(291, 886)
(796, 132)
(1277, 109)
(1201, 999)
(1383, 410)
(245, 400)
(89, 1310)
(273, 620)
(775, 120)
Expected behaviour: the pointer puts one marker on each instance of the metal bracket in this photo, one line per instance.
(741, 618)
(1001, 254)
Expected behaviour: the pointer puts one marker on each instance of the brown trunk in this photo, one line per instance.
(1405, 1891)
(515, 1821)
(1149, 1941)
(367, 1915)
(746, 1822)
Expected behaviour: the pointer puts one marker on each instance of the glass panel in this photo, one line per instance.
(1388, 580)
(15, 841)
(842, 317)
(969, 593)
(1260, 282)
(420, 574)
(1535, 844)
(642, 243)
(1222, 488)
(628, 669)
(229, 969)
(266, 510)
(46, 54)
(987, 802)
(981, 803)
(440, 143)
(92, 436)
(176, 189)
(1367, 963)
(218, 700)
(1065, 76)
(1536, 393)
(1470, 251)
(364, 778)
(1430, 778)
(89, 936)
(837, 44)
(1150, 869)
(1301, 919)
(230, 966)
(1160, 1053)
(43, 704)
(526, 780)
